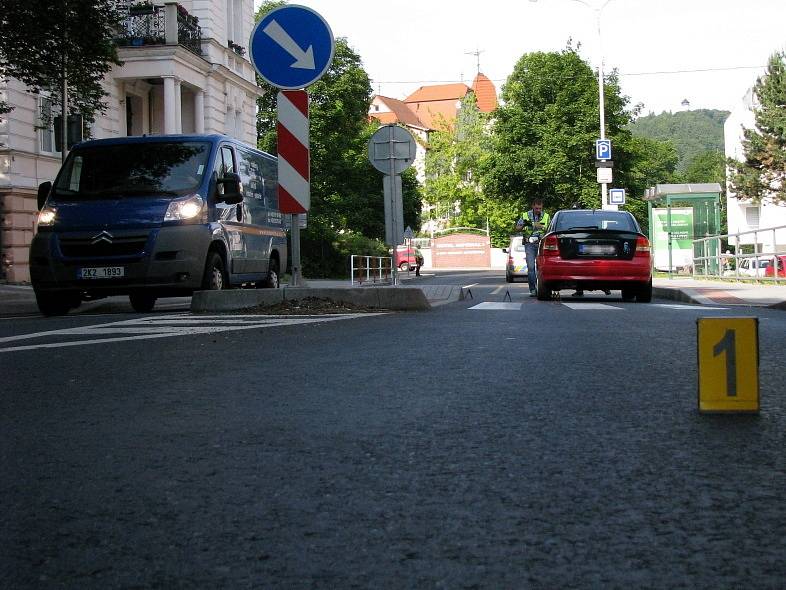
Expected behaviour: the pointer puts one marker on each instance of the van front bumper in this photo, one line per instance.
(168, 260)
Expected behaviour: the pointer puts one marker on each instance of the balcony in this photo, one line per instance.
(146, 24)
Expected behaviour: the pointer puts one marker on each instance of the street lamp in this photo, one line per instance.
(601, 100)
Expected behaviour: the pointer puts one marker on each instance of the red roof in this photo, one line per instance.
(400, 112)
(439, 92)
(485, 93)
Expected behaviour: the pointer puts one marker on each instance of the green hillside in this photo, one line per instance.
(691, 132)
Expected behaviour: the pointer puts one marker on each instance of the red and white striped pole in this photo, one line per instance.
(294, 176)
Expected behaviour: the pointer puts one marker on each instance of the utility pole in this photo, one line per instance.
(64, 97)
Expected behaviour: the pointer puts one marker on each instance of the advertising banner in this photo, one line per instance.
(681, 237)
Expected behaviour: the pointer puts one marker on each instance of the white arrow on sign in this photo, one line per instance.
(304, 59)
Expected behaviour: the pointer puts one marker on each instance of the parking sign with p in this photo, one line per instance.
(603, 149)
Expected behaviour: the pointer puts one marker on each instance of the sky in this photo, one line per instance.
(719, 47)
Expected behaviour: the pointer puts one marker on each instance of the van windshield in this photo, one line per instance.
(133, 170)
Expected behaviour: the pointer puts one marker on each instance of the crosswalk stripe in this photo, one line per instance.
(587, 306)
(497, 305)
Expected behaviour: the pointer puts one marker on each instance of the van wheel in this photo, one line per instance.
(142, 302)
(404, 266)
(215, 277)
(272, 280)
(57, 303)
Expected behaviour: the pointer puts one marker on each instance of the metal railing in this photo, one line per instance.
(189, 33)
(150, 24)
(371, 269)
(709, 260)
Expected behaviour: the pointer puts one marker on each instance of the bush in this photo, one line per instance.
(325, 253)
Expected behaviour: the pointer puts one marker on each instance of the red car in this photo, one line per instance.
(780, 262)
(406, 258)
(595, 250)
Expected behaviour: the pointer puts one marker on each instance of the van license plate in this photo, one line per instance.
(102, 272)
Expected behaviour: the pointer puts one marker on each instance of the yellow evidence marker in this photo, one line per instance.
(728, 359)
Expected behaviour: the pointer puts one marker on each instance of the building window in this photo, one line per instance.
(46, 130)
(752, 215)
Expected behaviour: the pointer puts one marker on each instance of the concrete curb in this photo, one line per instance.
(674, 294)
(393, 298)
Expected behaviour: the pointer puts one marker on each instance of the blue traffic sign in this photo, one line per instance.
(617, 196)
(291, 47)
(603, 149)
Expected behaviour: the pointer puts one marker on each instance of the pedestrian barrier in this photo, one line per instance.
(376, 270)
(767, 262)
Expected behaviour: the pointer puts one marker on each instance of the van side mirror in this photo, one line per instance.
(232, 194)
(505, 250)
(43, 193)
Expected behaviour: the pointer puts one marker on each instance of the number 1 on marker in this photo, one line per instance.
(728, 344)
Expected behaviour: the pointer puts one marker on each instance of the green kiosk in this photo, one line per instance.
(679, 214)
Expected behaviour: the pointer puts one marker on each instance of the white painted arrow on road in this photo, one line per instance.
(304, 59)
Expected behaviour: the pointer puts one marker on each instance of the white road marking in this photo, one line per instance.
(581, 306)
(468, 286)
(498, 290)
(166, 326)
(496, 305)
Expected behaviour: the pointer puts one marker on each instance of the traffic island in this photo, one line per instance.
(378, 298)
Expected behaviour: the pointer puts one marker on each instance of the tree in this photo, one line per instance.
(453, 162)
(691, 132)
(761, 175)
(544, 135)
(40, 41)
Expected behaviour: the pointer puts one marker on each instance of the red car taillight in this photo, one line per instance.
(642, 246)
(510, 260)
(551, 246)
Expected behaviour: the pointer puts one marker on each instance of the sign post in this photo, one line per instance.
(603, 154)
(391, 150)
(291, 48)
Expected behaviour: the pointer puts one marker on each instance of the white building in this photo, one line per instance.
(743, 214)
(185, 70)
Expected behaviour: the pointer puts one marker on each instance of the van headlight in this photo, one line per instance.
(182, 209)
(46, 216)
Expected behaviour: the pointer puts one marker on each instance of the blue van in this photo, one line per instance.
(159, 216)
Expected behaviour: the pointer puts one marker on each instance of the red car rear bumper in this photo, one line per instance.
(554, 269)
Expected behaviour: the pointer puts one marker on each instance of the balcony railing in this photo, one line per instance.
(151, 24)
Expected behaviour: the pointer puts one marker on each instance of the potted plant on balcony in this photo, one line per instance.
(141, 8)
(239, 49)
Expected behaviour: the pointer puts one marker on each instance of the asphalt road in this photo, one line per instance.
(541, 446)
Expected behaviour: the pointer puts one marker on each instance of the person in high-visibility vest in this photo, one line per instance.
(534, 222)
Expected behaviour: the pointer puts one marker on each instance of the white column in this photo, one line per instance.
(170, 122)
(123, 97)
(199, 111)
(230, 20)
(146, 124)
(178, 107)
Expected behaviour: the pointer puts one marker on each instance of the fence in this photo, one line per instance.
(371, 269)
(769, 265)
